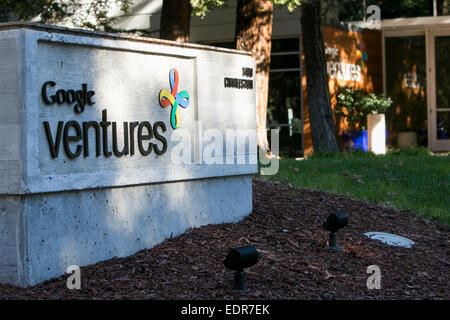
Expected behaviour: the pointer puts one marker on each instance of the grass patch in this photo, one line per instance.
(411, 179)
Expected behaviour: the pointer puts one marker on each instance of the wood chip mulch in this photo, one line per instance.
(285, 227)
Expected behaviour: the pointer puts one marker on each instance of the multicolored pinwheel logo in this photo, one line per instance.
(361, 54)
(173, 98)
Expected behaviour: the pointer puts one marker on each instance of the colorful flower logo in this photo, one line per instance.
(174, 99)
(361, 54)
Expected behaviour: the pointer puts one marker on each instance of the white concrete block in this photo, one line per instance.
(376, 133)
(65, 203)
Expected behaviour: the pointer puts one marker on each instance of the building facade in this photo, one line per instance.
(406, 60)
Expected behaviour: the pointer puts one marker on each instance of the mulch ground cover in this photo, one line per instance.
(286, 228)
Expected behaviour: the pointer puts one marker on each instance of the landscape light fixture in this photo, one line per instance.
(335, 221)
(238, 259)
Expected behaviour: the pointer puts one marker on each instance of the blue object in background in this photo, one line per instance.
(355, 139)
(422, 138)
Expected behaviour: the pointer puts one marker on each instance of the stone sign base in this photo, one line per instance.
(112, 144)
(42, 234)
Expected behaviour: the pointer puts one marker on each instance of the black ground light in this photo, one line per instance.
(335, 221)
(238, 259)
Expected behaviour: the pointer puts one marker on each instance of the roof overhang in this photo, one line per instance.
(415, 23)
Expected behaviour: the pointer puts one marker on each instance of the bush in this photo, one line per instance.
(355, 105)
(374, 104)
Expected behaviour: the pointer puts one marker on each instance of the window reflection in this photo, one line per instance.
(284, 110)
(406, 85)
(442, 50)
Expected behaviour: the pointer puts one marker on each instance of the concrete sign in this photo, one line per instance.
(111, 144)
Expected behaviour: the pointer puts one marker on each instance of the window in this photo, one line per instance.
(284, 109)
(406, 84)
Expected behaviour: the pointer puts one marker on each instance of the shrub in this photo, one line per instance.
(355, 105)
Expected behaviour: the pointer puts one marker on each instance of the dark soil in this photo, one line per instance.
(285, 227)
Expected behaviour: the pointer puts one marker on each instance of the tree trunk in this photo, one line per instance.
(319, 106)
(175, 20)
(253, 33)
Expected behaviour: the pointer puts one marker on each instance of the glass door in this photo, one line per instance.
(406, 84)
(440, 91)
(284, 109)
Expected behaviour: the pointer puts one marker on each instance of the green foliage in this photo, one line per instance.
(355, 105)
(350, 153)
(25, 10)
(326, 154)
(79, 11)
(411, 151)
(90, 14)
(359, 153)
(201, 7)
(375, 104)
(352, 10)
(349, 106)
(290, 4)
(401, 181)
